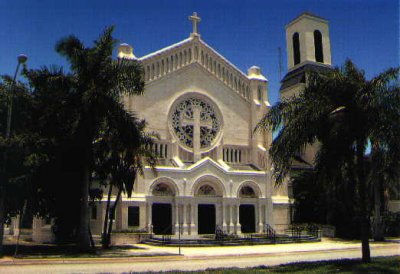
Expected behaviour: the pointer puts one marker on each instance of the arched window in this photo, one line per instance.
(319, 55)
(163, 189)
(206, 190)
(296, 48)
(247, 192)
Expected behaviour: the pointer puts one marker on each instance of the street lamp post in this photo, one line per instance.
(21, 60)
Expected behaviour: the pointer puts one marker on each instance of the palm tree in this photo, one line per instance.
(120, 152)
(99, 84)
(343, 112)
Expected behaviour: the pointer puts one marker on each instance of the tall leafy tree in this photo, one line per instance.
(343, 112)
(99, 83)
(14, 162)
(54, 113)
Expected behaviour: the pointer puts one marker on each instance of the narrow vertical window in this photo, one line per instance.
(319, 55)
(133, 216)
(259, 94)
(296, 48)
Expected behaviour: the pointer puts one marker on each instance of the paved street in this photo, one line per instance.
(202, 258)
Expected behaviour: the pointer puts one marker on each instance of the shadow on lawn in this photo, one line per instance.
(67, 250)
(378, 265)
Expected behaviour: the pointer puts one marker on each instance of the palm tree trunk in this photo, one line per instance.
(114, 207)
(83, 240)
(378, 193)
(104, 239)
(365, 224)
(92, 243)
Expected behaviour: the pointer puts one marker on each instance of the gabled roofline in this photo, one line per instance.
(186, 41)
(223, 58)
(208, 160)
(161, 51)
(306, 15)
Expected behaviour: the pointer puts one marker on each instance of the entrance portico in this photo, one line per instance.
(200, 206)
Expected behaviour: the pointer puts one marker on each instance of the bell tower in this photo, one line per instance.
(308, 50)
(307, 41)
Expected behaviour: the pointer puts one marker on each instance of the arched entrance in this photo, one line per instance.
(162, 211)
(206, 219)
(247, 212)
(162, 218)
(247, 218)
(206, 212)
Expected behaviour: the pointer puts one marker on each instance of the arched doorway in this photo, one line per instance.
(162, 211)
(247, 216)
(206, 214)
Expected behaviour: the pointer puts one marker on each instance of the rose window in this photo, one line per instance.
(193, 120)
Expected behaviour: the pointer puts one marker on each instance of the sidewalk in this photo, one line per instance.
(325, 245)
(156, 253)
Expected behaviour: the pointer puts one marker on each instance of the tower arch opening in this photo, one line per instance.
(296, 48)
(319, 55)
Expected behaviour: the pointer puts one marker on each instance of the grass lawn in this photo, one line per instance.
(378, 265)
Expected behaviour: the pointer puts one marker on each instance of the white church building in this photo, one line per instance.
(213, 170)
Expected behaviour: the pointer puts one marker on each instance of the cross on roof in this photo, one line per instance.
(195, 20)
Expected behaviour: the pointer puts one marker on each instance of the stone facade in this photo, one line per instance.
(213, 170)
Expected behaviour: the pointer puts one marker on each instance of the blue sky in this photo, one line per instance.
(245, 32)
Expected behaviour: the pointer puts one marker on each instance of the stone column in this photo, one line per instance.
(224, 227)
(260, 224)
(238, 227)
(149, 217)
(218, 220)
(269, 218)
(192, 219)
(230, 220)
(185, 225)
(176, 218)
